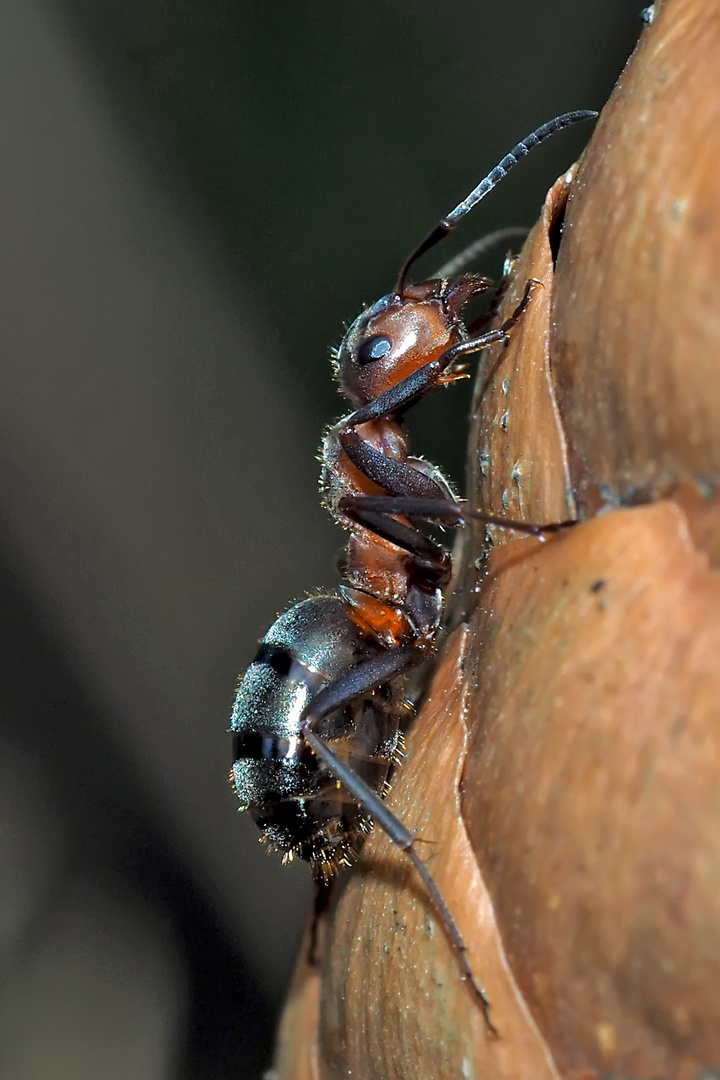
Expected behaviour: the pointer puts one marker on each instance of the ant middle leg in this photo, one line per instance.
(442, 511)
(429, 557)
(366, 677)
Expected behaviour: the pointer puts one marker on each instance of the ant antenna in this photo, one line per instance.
(446, 224)
(455, 266)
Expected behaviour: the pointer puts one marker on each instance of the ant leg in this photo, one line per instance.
(429, 557)
(365, 677)
(323, 893)
(394, 476)
(442, 511)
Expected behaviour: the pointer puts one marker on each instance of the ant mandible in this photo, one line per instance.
(318, 717)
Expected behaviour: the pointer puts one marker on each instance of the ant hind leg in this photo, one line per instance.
(365, 677)
(323, 895)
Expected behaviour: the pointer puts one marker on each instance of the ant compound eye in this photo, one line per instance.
(374, 348)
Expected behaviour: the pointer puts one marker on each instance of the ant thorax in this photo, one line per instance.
(384, 348)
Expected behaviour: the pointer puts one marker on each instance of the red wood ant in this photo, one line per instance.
(318, 714)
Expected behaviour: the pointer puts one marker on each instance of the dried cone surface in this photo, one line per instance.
(564, 772)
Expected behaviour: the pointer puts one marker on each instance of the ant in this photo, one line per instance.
(318, 717)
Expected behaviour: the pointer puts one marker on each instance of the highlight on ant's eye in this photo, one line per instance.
(375, 348)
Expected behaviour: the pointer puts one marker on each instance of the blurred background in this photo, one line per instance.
(195, 197)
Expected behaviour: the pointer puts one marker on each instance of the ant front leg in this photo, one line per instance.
(366, 677)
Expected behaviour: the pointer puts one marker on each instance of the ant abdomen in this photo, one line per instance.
(296, 802)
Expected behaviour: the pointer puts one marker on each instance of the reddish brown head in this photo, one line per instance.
(400, 334)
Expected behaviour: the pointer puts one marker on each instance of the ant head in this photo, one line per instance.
(417, 323)
(400, 334)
